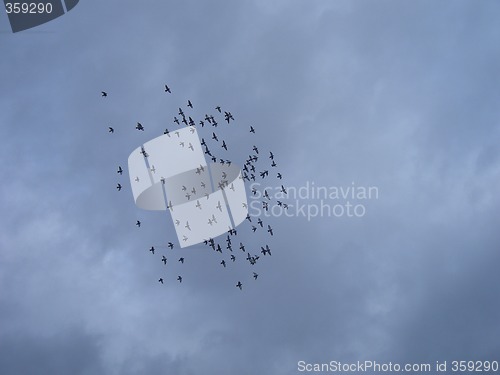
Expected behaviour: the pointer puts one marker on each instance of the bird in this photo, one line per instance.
(179, 278)
(164, 259)
(233, 258)
(273, 164)
(254, 228)
(171, 245)
(160, 280)
(259, 221)
(271, 155)
(167, 89)
(214, 136)
(166, 132)
(181, 260)
(218, 108)
(239, 285)
(138, 223)
(283, 190)
(270, 230)
(202, 123)
(104, 94)
(242, 247)
(279, 176)
(152, 250)
(111, 130)
(176, 120)
(255, 275)
(228, 116)
(119, 187)
(181, 112)
(120, 170)
(255, 149)
(223, 263)
(252, 130)
(139, 126)
(190, 104)
(266, 250)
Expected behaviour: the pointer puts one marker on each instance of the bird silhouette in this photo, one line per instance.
(104, 94)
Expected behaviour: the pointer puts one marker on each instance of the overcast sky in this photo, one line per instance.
(403, 96)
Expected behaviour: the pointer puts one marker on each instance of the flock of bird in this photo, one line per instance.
(249, 174)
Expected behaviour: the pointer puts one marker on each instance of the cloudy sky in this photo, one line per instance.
(402, 96)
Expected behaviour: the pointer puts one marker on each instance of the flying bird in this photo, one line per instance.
(223, 263)
(239, 285)
(120, 170)
(164, 259)
(218, 108)
(119, 187)
(104, 93)
(179, 278)
(171, 245)
(139, 126)
(252, 130)
(265, 251)
(167, 89)
(270, 230)
(224, 145)
(160, 280)
(111, 130)
(181, 260)
(189, 104)
(255, 275)
(138, 223)
(152, 250)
